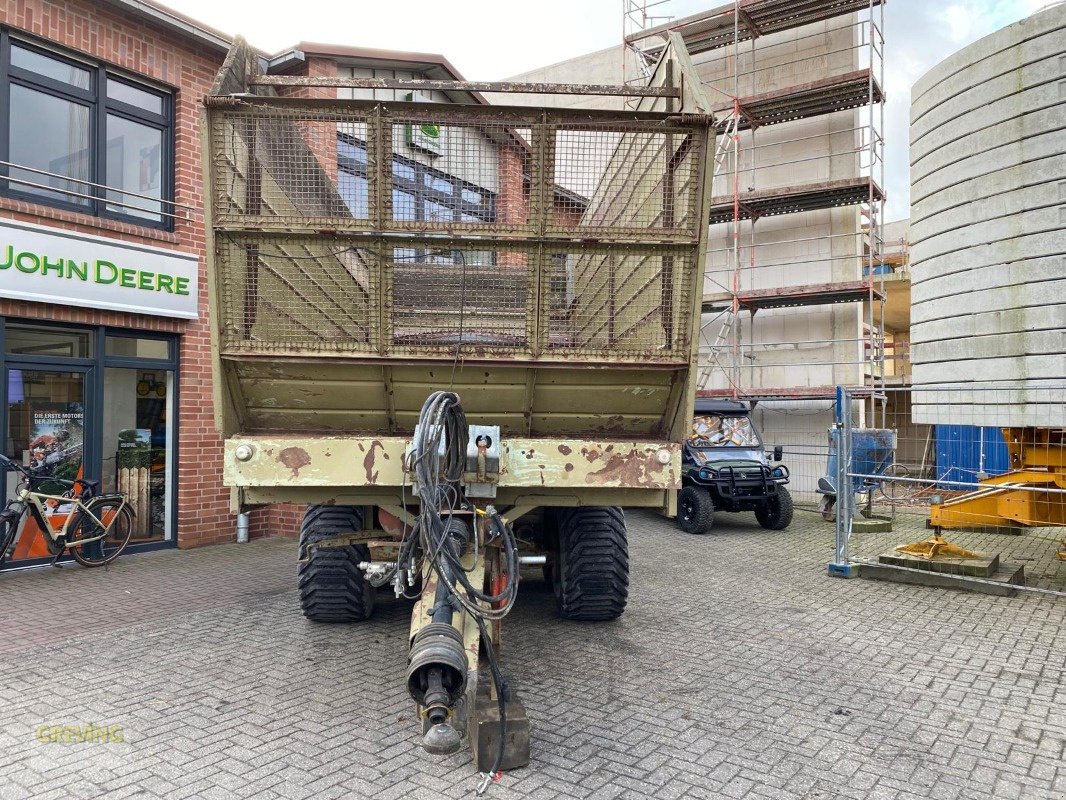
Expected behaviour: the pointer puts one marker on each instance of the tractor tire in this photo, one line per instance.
(776, 515)
(590, 569)
(695, 510)
(332, 587)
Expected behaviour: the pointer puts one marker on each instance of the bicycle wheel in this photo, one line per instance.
(895, 490)
(8, 528)
(119, 521)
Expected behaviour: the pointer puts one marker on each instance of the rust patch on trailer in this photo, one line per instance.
(590, 454)
(294, 458)
(371, 458)
(569, 467)
(613, 424)
(634, 468)
(565, 450)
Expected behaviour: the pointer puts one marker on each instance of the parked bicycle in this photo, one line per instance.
(96, 530)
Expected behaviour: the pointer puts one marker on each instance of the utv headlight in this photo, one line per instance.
(778, 472)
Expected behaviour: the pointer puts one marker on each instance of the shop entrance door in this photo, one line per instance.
(47, 429)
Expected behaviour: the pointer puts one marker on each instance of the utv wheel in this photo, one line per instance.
(776, 515)
(590, 573)
(332, 587)
(695, 510)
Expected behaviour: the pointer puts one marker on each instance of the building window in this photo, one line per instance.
(93, 403)
(79, 136)
(419, 193)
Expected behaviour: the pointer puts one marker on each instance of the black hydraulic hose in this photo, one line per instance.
(439, 461)
(442, 604)
(498, 682)
(512, 566)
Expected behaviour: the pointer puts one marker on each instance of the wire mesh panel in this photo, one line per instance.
(621, 300)
(296, 292)
(977, 494)
(476, 211)
(288, 167)
(800, 428)
(624, 180)
(448, 297)
(451, 176)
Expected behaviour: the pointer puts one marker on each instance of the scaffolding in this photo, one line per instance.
(748, 53)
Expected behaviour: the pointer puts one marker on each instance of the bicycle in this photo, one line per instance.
(96, 530)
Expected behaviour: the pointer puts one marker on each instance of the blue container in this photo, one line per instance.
(959, 450)
(872, 450)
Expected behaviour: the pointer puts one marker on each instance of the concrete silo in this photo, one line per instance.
(988, 246)
(988, 260)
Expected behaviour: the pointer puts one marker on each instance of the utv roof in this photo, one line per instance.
(715, 405)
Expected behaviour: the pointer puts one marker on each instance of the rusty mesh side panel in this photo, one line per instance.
(630, 301)
(303, 290)
(416, 229)
(646, 181)
(481, 297)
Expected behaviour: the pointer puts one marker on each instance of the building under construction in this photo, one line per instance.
(794, 294)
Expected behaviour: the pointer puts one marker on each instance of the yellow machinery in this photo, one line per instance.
(1032, 493)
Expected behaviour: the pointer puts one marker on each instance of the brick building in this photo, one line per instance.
(106, 355)
(104, 312)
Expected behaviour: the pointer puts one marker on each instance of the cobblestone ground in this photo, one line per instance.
(740, 670)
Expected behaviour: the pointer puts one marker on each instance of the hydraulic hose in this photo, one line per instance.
(438, 463)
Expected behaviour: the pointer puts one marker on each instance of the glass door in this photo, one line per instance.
(137, 444)
(48, 430)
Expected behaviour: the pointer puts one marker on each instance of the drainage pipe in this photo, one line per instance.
(242, 527)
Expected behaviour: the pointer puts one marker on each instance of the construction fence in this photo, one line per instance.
(945, 486)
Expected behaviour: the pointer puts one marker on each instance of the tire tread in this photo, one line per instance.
(331, 585)
(595, 586)
(783, 518)
(704, 518)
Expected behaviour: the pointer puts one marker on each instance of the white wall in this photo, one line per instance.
(988, 174)
(791, 249)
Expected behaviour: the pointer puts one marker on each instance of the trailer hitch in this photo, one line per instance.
(437, 665)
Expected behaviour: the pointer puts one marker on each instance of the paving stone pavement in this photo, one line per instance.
(740, 670)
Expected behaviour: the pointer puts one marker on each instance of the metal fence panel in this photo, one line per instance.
(973, 490)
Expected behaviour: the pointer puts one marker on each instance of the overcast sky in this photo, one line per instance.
(490, 39)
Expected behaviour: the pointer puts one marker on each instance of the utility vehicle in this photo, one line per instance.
(725, 468)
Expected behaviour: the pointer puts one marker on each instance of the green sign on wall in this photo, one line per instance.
(56, 266)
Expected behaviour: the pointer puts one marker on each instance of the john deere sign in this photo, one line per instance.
(424, 136)
(47, 265)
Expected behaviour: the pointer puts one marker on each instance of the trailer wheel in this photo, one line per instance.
(776, 514)
(332, 587)
(695, 510)
(590, 573)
